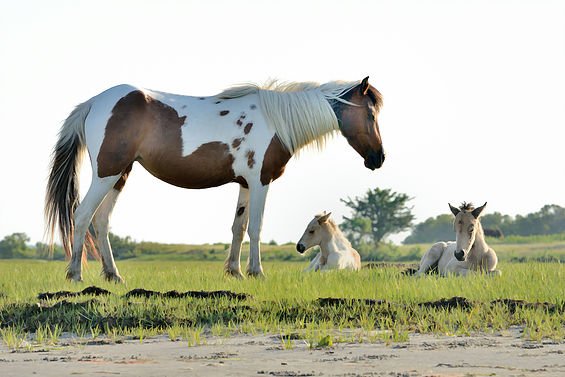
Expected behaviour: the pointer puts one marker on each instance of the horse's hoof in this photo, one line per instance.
(114, 278)
(256, 274)
(74, 277)
(234, 273)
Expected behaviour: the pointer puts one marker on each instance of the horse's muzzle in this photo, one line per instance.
(374, 160)
(300, 248)
(460, 255)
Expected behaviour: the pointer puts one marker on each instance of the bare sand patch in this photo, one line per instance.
(505, 354)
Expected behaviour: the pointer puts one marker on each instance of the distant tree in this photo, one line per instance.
(122, 247)
(439, 228)
(15, 246)
(381, 212)
(44, 251)
(550, 219)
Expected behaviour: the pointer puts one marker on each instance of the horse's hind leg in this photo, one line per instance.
(101, 226)
(98, 190)
(240, 221)
(101, 222)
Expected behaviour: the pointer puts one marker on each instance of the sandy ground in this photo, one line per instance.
(422, 355)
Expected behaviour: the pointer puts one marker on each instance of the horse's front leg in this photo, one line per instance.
(233, 265)
(258, 195)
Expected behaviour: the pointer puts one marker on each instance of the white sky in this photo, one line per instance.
(474, 100)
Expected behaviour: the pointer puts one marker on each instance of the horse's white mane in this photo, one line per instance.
(298, 112)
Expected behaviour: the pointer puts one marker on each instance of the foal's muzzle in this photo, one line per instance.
(460, 255)
(300, 248)
(374, 160)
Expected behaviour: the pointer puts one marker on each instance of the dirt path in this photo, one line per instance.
(423, 355)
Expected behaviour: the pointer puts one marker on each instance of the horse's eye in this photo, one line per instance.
(311, 232)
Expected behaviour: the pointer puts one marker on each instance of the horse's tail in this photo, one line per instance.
(62, 194)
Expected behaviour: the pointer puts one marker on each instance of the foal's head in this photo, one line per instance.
(313, 234)
(358, 122)
(466, 225)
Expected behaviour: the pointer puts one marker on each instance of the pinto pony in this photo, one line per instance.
(468, 253)
(335, 250)
(245, 134)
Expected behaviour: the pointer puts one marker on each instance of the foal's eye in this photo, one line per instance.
(311, 232)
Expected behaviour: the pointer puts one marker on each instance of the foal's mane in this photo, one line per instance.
(299, 113)
(467, 207)
(333, 227)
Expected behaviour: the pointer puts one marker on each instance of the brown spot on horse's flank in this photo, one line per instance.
(250, 159)
(240, 211)
(274, 161)
(123, 134)
(146, 130)
(236, 142)
(253, 107)
(247, 128)
(224, 112)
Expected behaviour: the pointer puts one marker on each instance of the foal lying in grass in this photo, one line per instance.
(335, 250)
(468, 253)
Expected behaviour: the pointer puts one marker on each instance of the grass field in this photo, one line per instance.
(380, 304)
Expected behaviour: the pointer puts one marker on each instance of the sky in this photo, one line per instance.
(474, 101)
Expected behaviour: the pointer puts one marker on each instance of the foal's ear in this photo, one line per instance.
(454, 210)
(477, 211)
(364, 85)
(324, 218)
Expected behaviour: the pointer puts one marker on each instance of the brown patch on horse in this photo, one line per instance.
(123, 134)
(250, 159)
(122, 181)
(247, 128)
(274, 162)
(224, 112)
(239, 179)
(149, 131)
(237, 142)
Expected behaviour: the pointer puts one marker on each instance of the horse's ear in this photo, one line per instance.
(365, 85)
(324, 218)
(477, 211)
(454, 210)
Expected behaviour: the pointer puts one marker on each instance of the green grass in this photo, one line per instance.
(283, 303)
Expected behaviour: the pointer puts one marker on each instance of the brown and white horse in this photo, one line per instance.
(245, 134)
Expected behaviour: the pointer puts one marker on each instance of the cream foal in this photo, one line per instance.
(468, 253)
(335, 250)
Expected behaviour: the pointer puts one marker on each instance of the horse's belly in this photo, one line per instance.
(208, 166)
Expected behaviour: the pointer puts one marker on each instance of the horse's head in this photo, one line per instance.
(466, 224)
(313, 234)
(358, 122)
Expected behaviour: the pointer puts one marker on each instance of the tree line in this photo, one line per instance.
(550, 219)
(374, 216)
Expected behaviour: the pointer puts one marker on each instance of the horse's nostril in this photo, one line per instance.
(300, 248)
